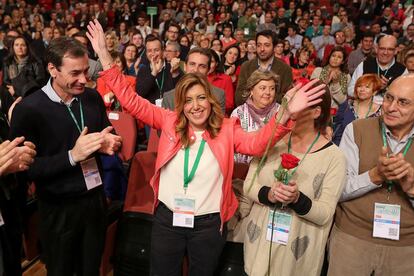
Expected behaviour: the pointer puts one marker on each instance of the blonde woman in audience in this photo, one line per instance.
(349, 36)
(112, 43)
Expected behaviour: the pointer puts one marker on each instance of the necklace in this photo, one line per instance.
(357, 109)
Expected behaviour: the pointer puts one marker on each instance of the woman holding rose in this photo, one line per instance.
(314, 170)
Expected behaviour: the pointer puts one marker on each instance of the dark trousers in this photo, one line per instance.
(72, 234)
(10, 239)
(203, 244)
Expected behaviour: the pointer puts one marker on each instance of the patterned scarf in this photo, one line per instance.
(343, 80)
(258, 114)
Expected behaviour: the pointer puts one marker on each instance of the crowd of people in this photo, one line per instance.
(266, 83)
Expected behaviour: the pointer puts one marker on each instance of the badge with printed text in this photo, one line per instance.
(183, 213)
(158, 102)
(387, 221)
(91, 173)
(280, 222)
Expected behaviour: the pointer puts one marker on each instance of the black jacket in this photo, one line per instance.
(147, 86)
(29, 79)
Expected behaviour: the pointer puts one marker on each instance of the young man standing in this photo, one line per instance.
(68, 124)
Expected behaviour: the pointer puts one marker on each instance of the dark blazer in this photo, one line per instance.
(147, 86)
(168, 99)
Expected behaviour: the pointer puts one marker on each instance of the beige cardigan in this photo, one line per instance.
(321, 177)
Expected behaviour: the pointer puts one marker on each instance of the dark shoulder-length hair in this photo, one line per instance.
(115, 55)
(215, 119)
(220, 68)
(10, 58)
(343, 67)
(228, 49)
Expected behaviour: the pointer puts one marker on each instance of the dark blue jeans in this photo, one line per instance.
(202, 244)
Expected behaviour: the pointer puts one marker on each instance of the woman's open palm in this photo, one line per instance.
(301, 97)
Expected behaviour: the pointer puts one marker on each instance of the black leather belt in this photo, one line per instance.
(201, 217)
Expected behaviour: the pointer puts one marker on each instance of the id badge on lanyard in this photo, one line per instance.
(158, 102)
(278, 221)
(91, 173)
(184, 205)
(387, 221)
(183, 213)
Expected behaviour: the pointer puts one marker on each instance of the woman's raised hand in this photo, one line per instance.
(96, 36)
(301, 97)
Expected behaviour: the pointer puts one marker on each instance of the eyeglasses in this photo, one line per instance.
(401, 102)
(384, 49)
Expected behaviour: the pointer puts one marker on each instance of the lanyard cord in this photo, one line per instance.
(160, 85)
(407, 146)
(379, 71)
(369, 109)
(82, 123)
(306, 153)
(291, 174)
(189, 177)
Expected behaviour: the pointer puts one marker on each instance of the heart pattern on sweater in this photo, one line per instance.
(253, 231)
(317, 185)
(299, 246)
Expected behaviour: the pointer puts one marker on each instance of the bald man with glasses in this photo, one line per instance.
(373, 232)
(384, 65)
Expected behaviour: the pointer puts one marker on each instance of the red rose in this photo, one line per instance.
(289, 161)
(333, 111)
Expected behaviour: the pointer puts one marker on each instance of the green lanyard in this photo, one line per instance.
(188, 178)
(379, 72)
(162, 82)
(369, 109)
(306, 153)
(407, 147)
(82, 126)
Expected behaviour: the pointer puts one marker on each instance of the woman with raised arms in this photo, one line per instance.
(193, 196)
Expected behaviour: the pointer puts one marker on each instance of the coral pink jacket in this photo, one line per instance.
(231, 138)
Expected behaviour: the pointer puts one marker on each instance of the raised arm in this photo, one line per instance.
(130, 101)
(298, 98)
